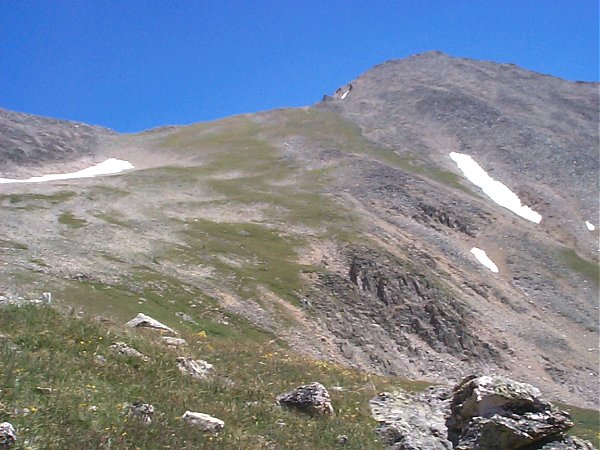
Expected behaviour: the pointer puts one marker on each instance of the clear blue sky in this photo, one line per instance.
(132, 64)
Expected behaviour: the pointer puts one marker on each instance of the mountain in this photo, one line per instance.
(344, 228)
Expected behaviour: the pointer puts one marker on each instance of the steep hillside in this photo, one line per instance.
(344, 228)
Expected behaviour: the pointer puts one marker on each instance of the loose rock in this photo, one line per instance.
(144, 321)
(123, 349)
(174, 341)
(196, 368)
(311, 398)
(8, 435)
(141, 411)
(203, 421)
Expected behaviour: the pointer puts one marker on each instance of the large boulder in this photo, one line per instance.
(311, 398)
(144, 321)
(8, 435)
(494, 412)
(480, 413)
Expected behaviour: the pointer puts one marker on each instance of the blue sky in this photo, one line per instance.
(132, 65)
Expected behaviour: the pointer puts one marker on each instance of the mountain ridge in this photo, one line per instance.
(344, 227)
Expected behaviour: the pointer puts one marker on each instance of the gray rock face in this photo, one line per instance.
(8, 435)
(410, 422)
(144, 321)
(310, 398)
(205, 422)
(196, 368)
(33, 141)
(481, 413)
(141, 411)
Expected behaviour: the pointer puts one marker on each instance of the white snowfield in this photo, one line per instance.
(483, 258)
(344, 95)
(494, 189)
(590, 226)
(109, 167)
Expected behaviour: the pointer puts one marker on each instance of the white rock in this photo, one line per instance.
(8, 435)
(203, 421)
(174, 341)
(196, 368)
(144, 321)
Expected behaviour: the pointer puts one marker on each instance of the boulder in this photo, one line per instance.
(123, 349)
(480, 413)
(144, 321)
(140, 411)
(310, 398)
(196, 368)
(494, 412)
(8, 435)
(203, 421)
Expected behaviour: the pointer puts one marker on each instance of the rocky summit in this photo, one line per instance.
(433, 218)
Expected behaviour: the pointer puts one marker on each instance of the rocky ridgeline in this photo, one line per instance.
(480, 413)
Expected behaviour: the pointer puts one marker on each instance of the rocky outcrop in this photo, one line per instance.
(196, 368)
(8, 435)
(413, 422)
(310, 398)
(144, 321)
(481, 413)
(202, 421)
(496, 412)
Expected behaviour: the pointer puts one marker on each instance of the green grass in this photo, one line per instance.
(587, 423)
(47, 350)
(60, 353)
(57, 197)
(587, 269)
(67, 218)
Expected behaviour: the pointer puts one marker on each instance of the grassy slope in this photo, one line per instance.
(60, 352)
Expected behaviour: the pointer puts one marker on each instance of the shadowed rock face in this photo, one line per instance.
(344, 228)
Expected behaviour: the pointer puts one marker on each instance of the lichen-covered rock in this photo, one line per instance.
(203, 421)
(196, 368)
(144, 321)
(8, 435)
(494, 412)
(140, 411)
(123, 349)
(481, 413)
(413, 422)
(500, 433)
(311, 398)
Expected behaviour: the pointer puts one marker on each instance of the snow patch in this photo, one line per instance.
(483, 258)
(109, 167)
(590, 226)
(344, 95)
(494, 189)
